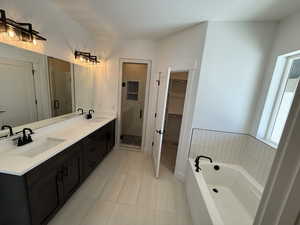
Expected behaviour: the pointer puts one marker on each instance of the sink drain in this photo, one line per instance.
(215, 190)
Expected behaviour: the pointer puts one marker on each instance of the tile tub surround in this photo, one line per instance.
(123, 191)
(71, 131)
(253, 155)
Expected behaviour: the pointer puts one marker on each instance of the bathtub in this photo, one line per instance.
(228, 196)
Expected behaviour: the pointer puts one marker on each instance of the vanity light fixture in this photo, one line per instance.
(86, 57)
(18, 31)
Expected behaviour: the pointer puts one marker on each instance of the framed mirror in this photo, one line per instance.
(36, 87)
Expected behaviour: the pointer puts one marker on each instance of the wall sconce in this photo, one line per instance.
(86, 57)
(18, 31)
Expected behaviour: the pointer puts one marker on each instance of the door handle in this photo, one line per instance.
(160, 132)
(141, 114)
(56, 104)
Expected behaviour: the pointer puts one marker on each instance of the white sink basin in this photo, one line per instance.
(36, 147)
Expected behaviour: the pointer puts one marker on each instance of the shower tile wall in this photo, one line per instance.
(222, 147)
(253, 155)
(257, 158)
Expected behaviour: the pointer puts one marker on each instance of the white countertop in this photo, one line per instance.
(71, 131)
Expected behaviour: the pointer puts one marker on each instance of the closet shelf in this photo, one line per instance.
(176, 114)
(176, 95)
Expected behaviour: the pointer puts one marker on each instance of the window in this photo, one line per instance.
(284, 99)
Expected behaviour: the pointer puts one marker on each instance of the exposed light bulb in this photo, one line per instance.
(34, 41)
(81, 58)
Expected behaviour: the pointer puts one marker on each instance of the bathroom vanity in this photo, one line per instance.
(34, 186)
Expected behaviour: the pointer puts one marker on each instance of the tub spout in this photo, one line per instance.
(198, 159)
(203, 156)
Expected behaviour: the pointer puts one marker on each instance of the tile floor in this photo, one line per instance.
(123, 191)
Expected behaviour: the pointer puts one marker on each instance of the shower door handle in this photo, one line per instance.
(141, 114)
(56, 104)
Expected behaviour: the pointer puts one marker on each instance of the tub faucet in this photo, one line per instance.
(205, 157)
(198, 159)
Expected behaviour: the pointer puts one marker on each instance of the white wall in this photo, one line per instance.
(182, 50)
(62, 33)
(232, 70)
(286, 41)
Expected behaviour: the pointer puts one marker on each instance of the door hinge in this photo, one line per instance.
(152, 143)
(33, 72)
(36, 102)
(155, 115)
(158, 82)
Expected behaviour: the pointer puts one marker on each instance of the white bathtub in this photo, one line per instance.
(235, 202)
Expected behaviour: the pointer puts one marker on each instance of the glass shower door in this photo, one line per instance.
(133, 100)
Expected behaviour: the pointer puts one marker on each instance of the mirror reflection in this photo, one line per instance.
(61, 87)
(36, 87)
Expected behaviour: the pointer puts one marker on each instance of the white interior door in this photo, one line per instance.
(161, 106)
(17, 104)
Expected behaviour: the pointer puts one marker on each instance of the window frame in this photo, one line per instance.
(278, 98)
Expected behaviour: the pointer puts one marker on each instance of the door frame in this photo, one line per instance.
(187, 118)
(160, 124)
(146, 105)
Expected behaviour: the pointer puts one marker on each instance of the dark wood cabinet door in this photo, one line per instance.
(71, 172)
(91, 156)
(102, 142)
(45, 197)
(111, 139)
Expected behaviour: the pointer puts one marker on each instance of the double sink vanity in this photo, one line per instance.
(38, 178)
